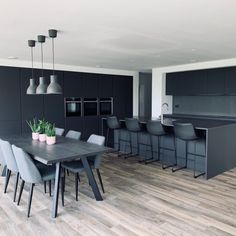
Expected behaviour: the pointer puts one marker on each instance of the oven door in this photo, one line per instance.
(106, 106)
(90, 107)
(73, 107)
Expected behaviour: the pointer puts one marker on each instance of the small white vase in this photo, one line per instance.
(35, 136)
(51, 140)
(42, 137)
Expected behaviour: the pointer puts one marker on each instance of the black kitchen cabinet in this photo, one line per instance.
(171, 84)
(9, 94)
(230, 81)
(54, 103)
(216, 81)
(74, 123)
(91, 126)
(32, 106)
(105, 83)
(119, 96)
(129, 96)
(90, 85)
(73, 84)
(188, 83)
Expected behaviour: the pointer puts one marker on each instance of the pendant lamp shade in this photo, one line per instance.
(32, 87)
(54, 87)
(42, 87)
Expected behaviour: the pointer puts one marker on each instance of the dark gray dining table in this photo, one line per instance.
(65, 149)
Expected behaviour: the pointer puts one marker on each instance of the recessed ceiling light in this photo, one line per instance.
(98, 66)
(193, 49)
(193, 60)
(12, 57)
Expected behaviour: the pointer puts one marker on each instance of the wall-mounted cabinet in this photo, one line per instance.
(220, 81)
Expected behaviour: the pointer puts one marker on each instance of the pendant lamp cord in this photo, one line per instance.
(42, 58)
(32, 63)
(53, 56)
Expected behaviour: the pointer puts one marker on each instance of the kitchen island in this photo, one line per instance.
(218, 135)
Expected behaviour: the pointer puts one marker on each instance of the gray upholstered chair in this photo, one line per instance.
(73, 134)
(59, 131)
(2, 160)
(94, 161)
(11, 165)
(32, 174)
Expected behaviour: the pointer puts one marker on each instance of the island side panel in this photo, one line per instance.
(221, 149)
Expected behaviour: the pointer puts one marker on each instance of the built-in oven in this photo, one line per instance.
(73, 107)
(106, 106)
(90, 106)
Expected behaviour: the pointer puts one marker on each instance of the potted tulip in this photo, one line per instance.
(51, 134)
(34, 126)
(42, 130)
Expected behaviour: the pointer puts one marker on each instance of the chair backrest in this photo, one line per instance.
(99, 140)
(59, 131)
(185, 131)
(132, 124)
(155, 127)
(27, 169)
(73, 134)
(2, 159)
(8, 156)
(113, 123)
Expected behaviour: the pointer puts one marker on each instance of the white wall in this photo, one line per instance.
(159, 80)
(135, 74)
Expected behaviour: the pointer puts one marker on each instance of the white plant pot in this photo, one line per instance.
(35, 136)
(42, 137)
(51, 140)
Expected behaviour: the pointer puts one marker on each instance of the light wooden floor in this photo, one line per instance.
(139, 200)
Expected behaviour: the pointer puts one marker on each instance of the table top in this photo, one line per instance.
(65, 149)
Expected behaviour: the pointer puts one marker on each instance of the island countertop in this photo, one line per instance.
(203, 123)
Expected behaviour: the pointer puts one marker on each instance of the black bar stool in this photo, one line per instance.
(132, 126)
(155, 128)
(113, 124)
(186, 132)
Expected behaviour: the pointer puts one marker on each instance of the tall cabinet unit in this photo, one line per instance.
(54, 103)
(10, 118)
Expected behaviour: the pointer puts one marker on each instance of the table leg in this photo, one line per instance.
(91, 179)
(56, 190)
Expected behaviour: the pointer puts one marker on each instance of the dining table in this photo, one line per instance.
(65, 149)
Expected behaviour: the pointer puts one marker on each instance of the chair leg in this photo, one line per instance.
(62, 190)
(16, 185)
(100, 179)
(30, 199)
(186, 159)
(107, 136)
(68, 172)
(76, 186)
(7, 180)
(45, 186)
(78, 177)
(21, 190)
(50, 187)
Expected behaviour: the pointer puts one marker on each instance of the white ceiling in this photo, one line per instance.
(121, 34)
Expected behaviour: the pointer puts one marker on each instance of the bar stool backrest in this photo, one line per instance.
(27, 169)
(8, 156)
(155, 128)
(132, 125)
(113, 123)
(185, 131)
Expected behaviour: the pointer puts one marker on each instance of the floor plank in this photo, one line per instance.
(139, 200)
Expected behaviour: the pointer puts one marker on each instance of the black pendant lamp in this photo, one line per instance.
(54, 87)
(42, 87)
(32, 87)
